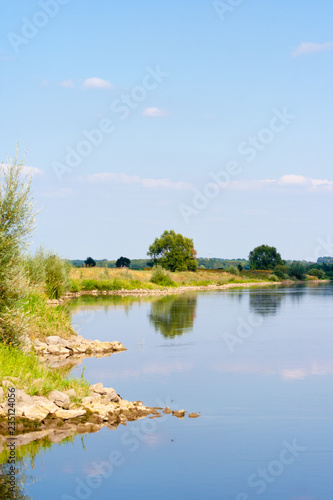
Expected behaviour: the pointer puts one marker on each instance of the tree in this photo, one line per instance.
(123, 262)
(264, 257)
(174, 252)
(297, 270)
(90, 262)
(17, 222)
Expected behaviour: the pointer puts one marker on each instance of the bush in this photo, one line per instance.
(297, 270)
(233, 270)
(162, 277)
(16, 225)
(281, 271)
(318, 273)
(273, 277)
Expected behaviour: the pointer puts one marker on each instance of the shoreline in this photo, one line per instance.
(146, 292)
(58, 416)
(166, 291)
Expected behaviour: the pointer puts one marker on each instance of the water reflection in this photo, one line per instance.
(173, 316)
(266, 303)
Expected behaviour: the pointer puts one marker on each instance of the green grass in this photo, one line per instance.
(29, 373)
(45, 320)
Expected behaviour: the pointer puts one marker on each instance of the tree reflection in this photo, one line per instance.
(266, 303)
(173, 316)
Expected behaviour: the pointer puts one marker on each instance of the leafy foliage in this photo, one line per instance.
(162, 277)
(264, 257)
(123, 262)
(174, 252)
(17, 221)
(297, 270)
(90, 262)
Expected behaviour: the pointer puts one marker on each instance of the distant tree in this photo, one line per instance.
(90, 262)
(319, 273)
(240, 267)
(174, 252)
(297, 270)
(264, 257)
(123, 262)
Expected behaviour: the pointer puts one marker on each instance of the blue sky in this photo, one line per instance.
(210, 118)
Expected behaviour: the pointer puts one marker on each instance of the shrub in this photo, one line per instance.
(273, 277)
(16, 225)
(297, 270)
(233, 270)
(57, 280)
(281, 271)
(318, 273)
(161, 276)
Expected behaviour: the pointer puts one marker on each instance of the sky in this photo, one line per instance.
(211, 118)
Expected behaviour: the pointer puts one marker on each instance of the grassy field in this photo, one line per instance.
(115, 279)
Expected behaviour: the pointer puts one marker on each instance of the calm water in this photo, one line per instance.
(256, 364)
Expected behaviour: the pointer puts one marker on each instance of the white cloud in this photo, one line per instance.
(154, 112)
(67, 84)
(97, 83)
(44, 82)
(286, 181)
(310, 48)
(140, 181)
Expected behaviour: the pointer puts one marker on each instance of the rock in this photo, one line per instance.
(111, 395)
(66, 414)
(22, 397)
(179, 414)
(55, 340)
(71, 393)
(94, 398)
(98, 388)
(193, 415)
(27, 410)
(45, 403)
(60, 399)
(7, 383)
(57, 350)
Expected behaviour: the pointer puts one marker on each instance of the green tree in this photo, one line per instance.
(123, 262)
(264, 257)
(90, 262)
(174, 252)
(297, 270)
(17, 222)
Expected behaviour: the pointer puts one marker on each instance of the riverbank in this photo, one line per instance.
(166, 290)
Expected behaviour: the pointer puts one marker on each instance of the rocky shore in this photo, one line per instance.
(60, 414)
(57, 352)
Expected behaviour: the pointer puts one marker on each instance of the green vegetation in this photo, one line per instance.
(174, 252)
(123, 262)
(90, 262)
(33, 376)
(49, 272)
(16, 225)
(264, 257)
(162, 277)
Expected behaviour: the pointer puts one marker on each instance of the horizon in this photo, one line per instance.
(212, 119)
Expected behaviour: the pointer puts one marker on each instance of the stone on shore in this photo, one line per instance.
(60, 399)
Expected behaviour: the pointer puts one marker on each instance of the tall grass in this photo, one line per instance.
(36, 378)
(162, 277)
(49, 271)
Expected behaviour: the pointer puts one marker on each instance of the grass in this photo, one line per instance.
(94, 278)
(45, 320)
(29, 373)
